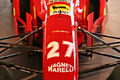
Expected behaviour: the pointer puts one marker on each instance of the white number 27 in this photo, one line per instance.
(55, 46)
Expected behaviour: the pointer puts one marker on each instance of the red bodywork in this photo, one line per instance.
(60, 36)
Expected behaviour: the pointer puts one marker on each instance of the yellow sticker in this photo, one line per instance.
(84, 12)
(57, 30)
(34, 9)
(13, 11)
(105, 11)
(55, 9)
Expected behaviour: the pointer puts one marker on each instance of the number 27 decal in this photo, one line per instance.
(55, 46)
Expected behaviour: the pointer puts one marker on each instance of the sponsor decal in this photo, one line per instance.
(84, 12)
(60, 67)
(59, 7)
(55, 9)
(51, 1)
(13, 11)
(60, 31)
(34, 10)
(105, 11)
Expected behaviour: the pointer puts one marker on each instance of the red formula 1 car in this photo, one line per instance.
(61, 21)
(59, 27)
